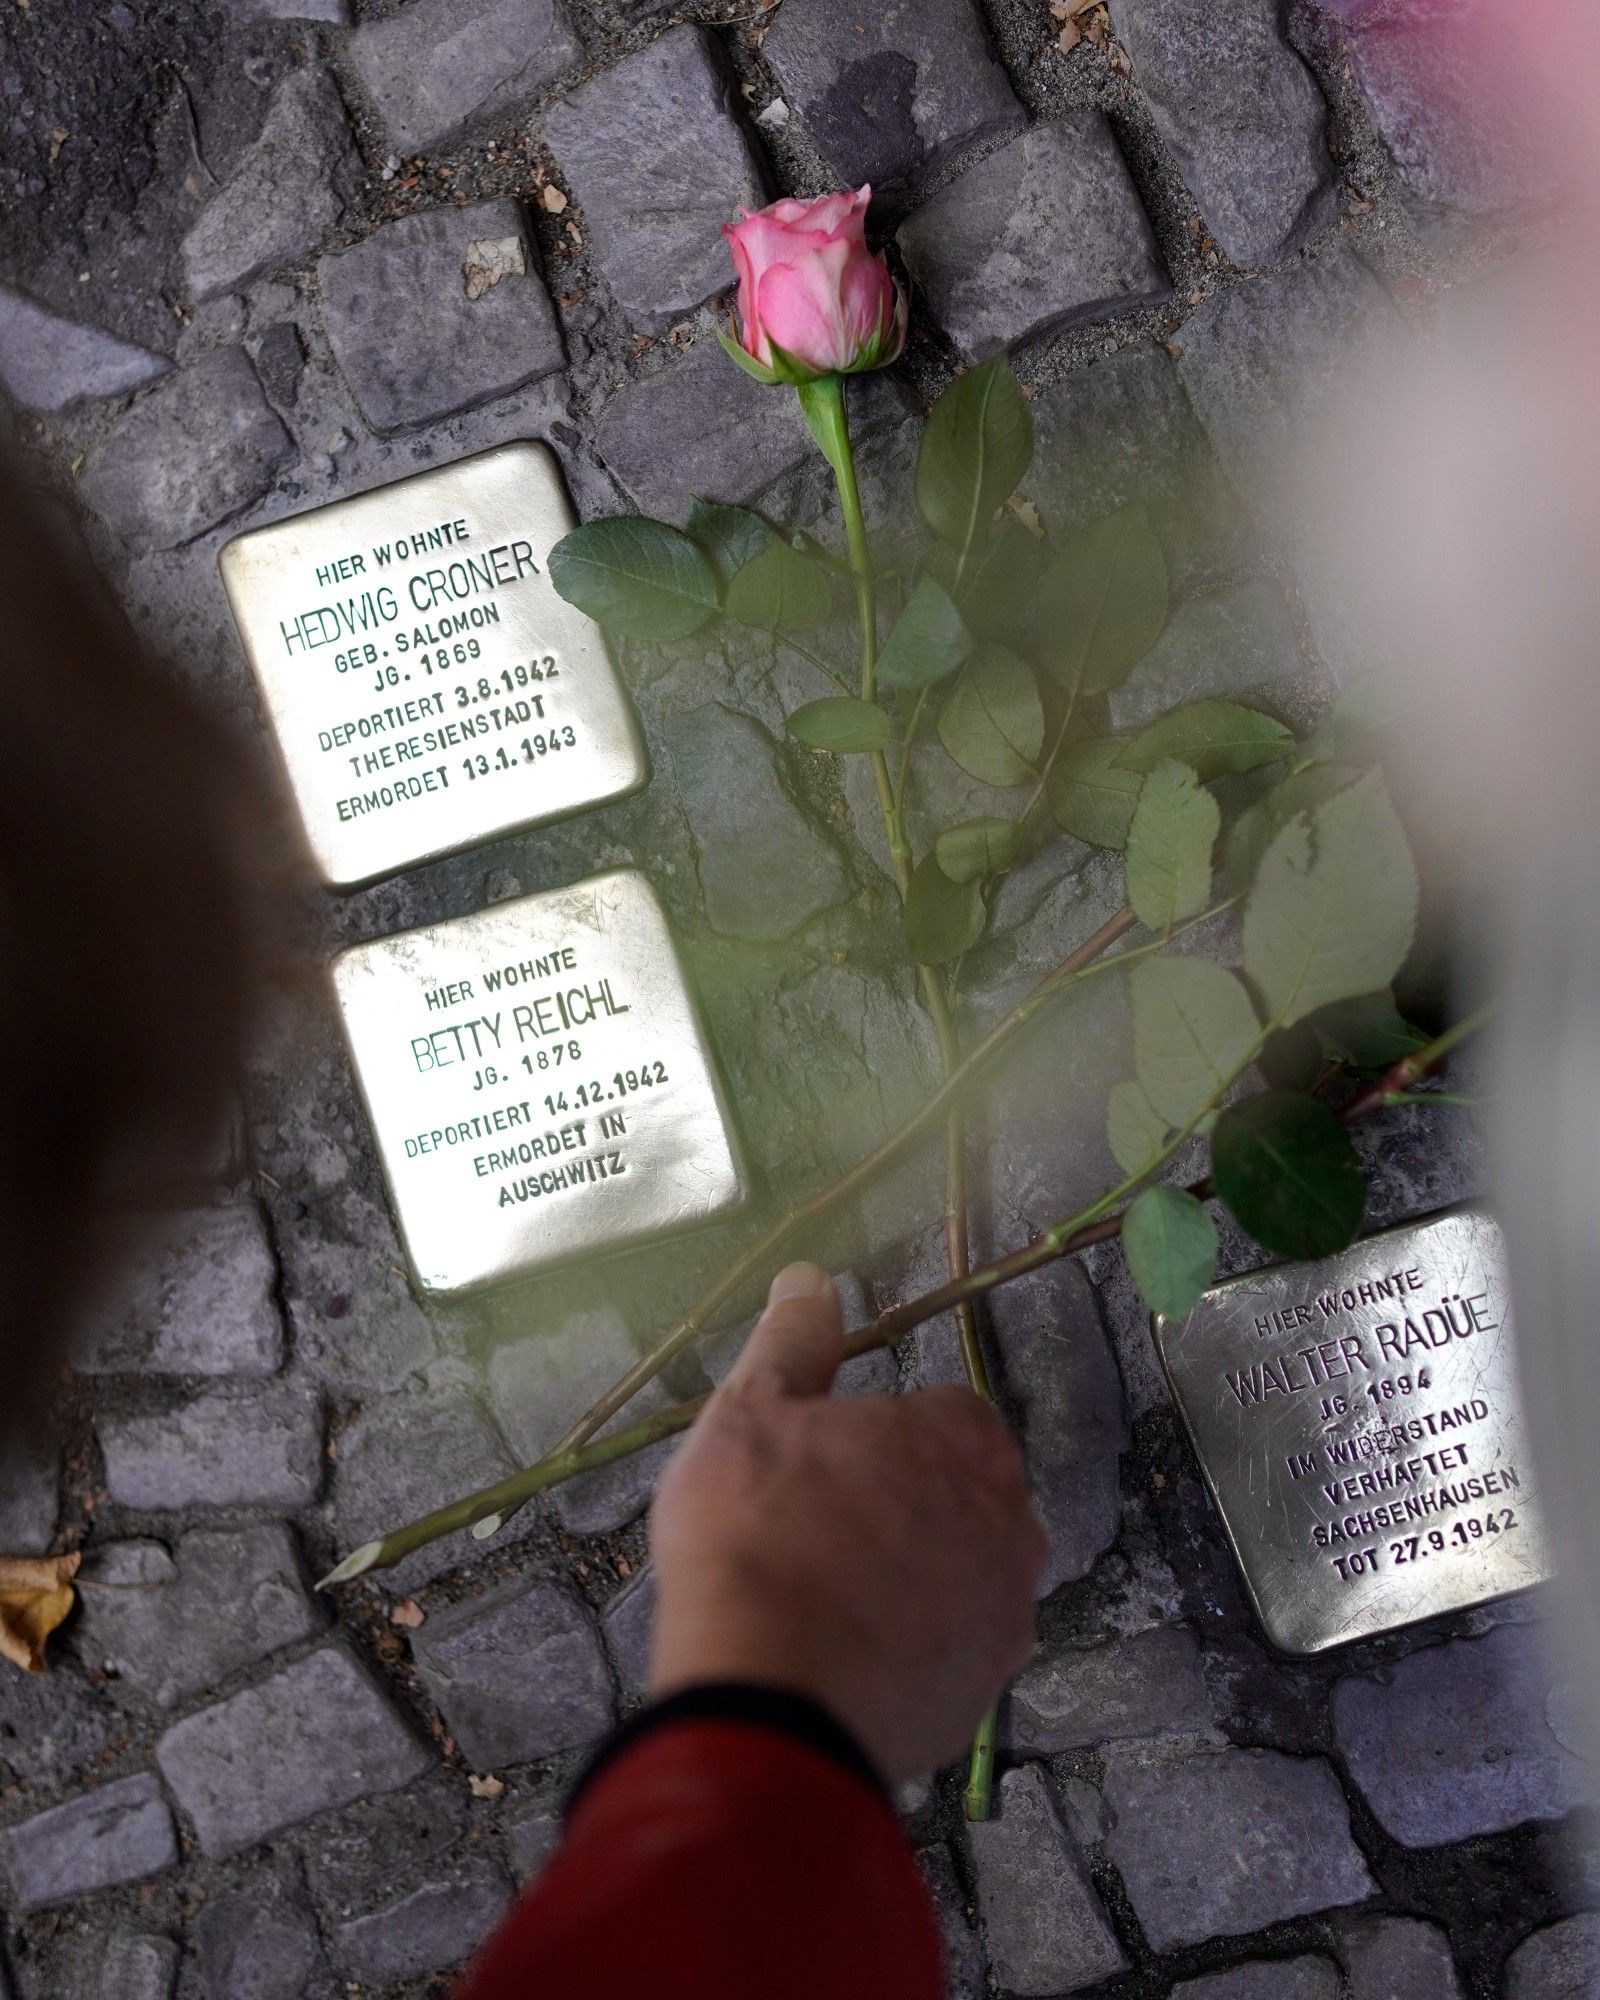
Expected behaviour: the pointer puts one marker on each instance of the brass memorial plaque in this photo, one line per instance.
(427, 686)
(1359, 1425)
(538, 1082)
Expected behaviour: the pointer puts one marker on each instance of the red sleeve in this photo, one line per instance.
(721, 1860)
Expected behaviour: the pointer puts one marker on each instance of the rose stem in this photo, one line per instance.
(1062, 1239)
(823, 404)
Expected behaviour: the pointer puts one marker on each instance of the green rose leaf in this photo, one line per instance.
(841, 722)
(779, 590)
(1194, 1029)
(1214, 737)
(1334, 904)
(975, 447)
(1175, 826)
(1254, 831)
(1285, 1166)
(1093, 795)
(978, 847)
(942, 918)
(1367, 1033)
(730, 536)
(992, 723)
(1171, 1245)
(1135, 1130)
(927, 641)
(1103, 602)
(996, 592)
(636, 576)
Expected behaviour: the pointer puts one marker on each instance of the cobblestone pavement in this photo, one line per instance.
(239, 230)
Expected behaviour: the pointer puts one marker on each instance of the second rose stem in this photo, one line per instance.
(823, 404)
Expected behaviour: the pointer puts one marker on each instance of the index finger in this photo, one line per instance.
(798, 1342)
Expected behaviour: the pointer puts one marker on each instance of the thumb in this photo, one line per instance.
(798, 1342)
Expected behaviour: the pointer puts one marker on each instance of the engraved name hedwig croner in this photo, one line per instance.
(1359, 1424)
(427, 687)
(538, 1082)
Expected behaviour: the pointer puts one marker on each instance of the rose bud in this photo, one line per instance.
(813, 299)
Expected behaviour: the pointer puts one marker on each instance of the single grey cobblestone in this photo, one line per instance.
(1057, 1374)
(403, 1456)
(121, 1832)
(317, 1734)
(1458, 156)
(30, 1494)
(357, 1326)
(1122, 432)
(1071, 1698)
(699, 426)
(1561, 1962)
(626, 1624)
(890, 92)
(413, 341)
(233, 1597)
(518, 1673)
(218, 1451)
(122, 1966)
(374, 1849)
(199, 446)
(764, 868)
(1220, 646)
(435, 1927)
(48, 363)
(434, 67)
(285, 194)
(199, 1301)
(1047, 1929)
(1396, 1958)
(532, 1842)
(259, 1942)
(539, 1386)
(1454, 1740)
(658, 159)
(1242, 115)
(1045, 234)
(1308, 1978)
(1265, 365)
(1288, 1850)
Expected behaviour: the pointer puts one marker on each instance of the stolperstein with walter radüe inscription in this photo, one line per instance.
(1360, 1427)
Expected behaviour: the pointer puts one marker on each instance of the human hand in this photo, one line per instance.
(877, 1553)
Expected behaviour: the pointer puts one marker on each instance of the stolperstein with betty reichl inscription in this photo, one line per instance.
(1360, 1427)
(538, 1081)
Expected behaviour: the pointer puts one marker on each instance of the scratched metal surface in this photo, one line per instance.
(524, 1118)
(444, 695)
(1367, 1452)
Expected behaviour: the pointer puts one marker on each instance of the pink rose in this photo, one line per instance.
(813, 299)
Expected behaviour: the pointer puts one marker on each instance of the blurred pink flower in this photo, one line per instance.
(813, 299)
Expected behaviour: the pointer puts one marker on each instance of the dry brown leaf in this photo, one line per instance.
(489, 1787)
(1085, 20)
(553, 201)
(409, 1613)
(35, 1595)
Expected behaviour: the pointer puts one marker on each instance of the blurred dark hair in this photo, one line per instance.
(127, 814)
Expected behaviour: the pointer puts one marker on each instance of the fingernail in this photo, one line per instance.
(799, 1281)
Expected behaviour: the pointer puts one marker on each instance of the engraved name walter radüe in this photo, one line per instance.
(1420, 1470)
(530, 1040)
(1360, 1427)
